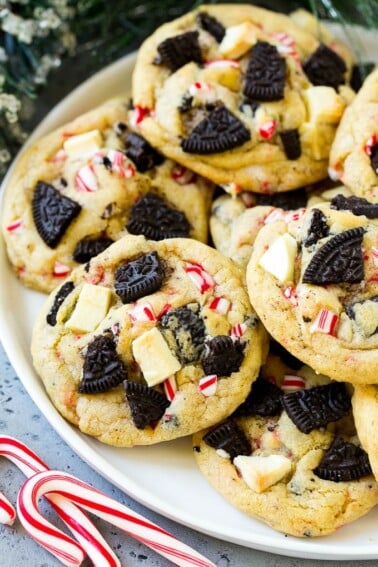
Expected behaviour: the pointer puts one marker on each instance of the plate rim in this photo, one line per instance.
(293, 547)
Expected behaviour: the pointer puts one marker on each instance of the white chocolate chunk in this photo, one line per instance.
(323, 105)
(259, 473)
(279, 259)
(91, 308)
(238, 39)
(154, 357)
(83, 144)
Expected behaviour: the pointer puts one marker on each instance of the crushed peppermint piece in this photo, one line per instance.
(170, 388)
(374, 252)
(268, 129)
(142, 312)
(59, 156)
(208, 385)
(221, 305)
(372, 141)
(291, 294)
(325, 322)
(61, 270)
(334, 174)
(86, 179)
(15, 226)
(201, 279)
(182, 175)
(292, 383)
(138, 115)
(274, 215)
(238, 330)
(117, 159)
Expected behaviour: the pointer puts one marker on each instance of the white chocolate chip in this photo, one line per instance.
(83, 144)
(91, 308)
(154, 357)
(238, 39)
(323, 105)
(279, 259)
(259, 473)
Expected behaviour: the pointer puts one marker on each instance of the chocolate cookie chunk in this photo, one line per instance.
(343, 462)
(103, 369)
(265, 74)
(230, 438)
(219, 131)
(325, 67)
(340, 260)
(52, 213)
(318, 228)
(155, 219)
(141, 153)
(89, 247)
(358, 206)
(222, 355)
(211, 25)
(147, 405)
(264, 399)
(184, 330)
(61, 295)
(174, 52)
(291, 143)
(316, 407)
(139, 277)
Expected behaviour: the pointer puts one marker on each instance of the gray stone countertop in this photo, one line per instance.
(20, 418)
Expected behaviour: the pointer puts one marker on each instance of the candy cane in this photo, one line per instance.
(90, 539)
(103, 506)
(7, 512)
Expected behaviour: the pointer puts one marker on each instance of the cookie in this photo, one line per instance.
(236, 221)
(243, 96)
(365, 411)
(354, 152)
(304, 484)
(82, 187)
(150, 341)
(313, 282)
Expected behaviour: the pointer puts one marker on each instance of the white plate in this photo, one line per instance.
(164, 477)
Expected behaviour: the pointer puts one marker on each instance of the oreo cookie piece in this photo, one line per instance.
(291, 143)
(90, 247)
(138, 278)
(343, 462)
(222, 355)
(218, 132)
(156, 220)
(316, 407)
(230, 438)
(185, 331)
(318, 228)
(63, 292)
(340, 260)
(211, 25)
(52, 213)
(141, 153)
(264, 399)
(359, 74)
(265, 74)
(147, 405)
(288, 201)
(325, 67)
(358, 205)
(374, 158)
(174, 52)
(103, 369)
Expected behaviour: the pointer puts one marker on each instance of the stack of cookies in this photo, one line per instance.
(208, 273)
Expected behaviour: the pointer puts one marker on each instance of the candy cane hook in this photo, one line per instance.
(103, 506)
(90, 539)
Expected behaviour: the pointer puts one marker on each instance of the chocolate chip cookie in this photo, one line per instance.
(243, 96)
(149, 341)
(82, 187)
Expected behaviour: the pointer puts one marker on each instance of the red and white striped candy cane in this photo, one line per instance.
(103, 506)
(7, 512)
(91, 541)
